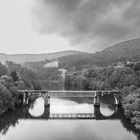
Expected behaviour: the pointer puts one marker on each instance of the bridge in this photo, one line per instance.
(96, 95)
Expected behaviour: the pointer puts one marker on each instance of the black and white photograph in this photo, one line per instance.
(69, 69)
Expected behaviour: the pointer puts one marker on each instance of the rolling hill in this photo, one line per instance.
(123, 51)
(22, 58)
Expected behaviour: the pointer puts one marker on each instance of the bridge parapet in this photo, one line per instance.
(71, 93)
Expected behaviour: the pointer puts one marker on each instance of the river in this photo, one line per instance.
(17, 126)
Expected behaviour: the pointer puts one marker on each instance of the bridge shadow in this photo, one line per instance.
(96, 115)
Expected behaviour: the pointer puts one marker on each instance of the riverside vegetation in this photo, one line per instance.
(126, 79)
(14, 77)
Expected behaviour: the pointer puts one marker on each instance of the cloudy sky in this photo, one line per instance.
(43, 26)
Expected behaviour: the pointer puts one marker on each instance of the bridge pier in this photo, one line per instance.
(97, 112)
(96, 101)
(25, 98)
(47, 101)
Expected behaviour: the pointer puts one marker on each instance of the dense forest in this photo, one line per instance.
(48, 77)
(14, 77)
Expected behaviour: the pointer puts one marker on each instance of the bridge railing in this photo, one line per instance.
(70, 93)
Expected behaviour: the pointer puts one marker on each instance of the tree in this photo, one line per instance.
(6, 97)
(14, 76)
(7, 81)
(3, 69)
(136, 66)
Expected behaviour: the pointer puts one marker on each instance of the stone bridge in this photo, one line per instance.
(96, 95)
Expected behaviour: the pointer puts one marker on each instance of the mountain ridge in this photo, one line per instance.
(123, 51)
(22, 58)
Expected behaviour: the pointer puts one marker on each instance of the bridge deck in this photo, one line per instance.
(69, 93)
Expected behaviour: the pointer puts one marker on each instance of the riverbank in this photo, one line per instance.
(131, 105)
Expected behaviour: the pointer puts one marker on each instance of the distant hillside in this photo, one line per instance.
(124, 51)
(22, 58)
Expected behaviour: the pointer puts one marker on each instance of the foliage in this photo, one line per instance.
(6, 98)
(46, 76)
(14, 76)
(22, 74)
(106, 78)
(136, 66)
(131, 105)
(3, 69)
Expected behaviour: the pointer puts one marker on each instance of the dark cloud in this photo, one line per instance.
(89, 20)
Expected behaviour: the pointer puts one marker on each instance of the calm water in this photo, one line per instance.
(17, 126)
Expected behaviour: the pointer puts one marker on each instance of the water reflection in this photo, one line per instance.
(107, 105)
(106, 111)
(16, 125)
(37, 108)
(68, 106)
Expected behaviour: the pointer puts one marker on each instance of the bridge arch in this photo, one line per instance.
(116, 100)
(108, 104)
(110, 99)
(29, 97)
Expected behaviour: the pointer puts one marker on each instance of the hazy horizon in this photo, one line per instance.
(43, 52)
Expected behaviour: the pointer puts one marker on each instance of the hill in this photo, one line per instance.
(123, 51)
(22, 58)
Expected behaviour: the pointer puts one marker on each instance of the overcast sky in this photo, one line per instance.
(44, 26)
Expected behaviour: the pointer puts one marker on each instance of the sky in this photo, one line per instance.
(45, 26)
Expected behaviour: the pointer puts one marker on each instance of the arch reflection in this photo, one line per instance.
(108, 105)
(37, 109)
